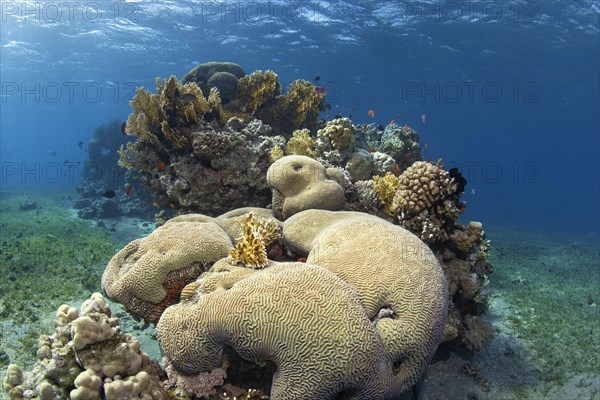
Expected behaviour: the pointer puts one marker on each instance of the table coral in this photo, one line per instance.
(301, 317)
(397, 277)
(300, 183)
(148, 274)
(89, 369)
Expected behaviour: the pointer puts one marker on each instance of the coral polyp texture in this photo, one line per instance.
(300, 183)
(400, 283)
(87, 357)
(301, 317)
(148, 274)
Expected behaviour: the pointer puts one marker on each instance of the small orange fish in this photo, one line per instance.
(160, 166)
(171, 205)
(128, 189)
(371, 113)
(372, 149)
(397, 170)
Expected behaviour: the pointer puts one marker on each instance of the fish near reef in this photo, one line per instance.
(109, 194)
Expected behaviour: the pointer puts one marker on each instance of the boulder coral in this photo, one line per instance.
(300, 183)
(148, 274)
(399, 280)
(301, 317)
(214, 74)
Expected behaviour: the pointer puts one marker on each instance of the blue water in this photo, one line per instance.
(510, 89)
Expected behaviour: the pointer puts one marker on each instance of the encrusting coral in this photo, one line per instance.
(87, 357)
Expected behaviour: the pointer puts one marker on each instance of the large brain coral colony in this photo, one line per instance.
(344, 286)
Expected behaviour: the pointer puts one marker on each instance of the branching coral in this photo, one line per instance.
(251, 248)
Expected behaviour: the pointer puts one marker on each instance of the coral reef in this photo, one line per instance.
(323, 344)
(258, 91)
(402, 143)
(87, 357)
(425, 199)
(399, 280)
(250, 249)
(148, 274)
(223, 76)
(300, 183)
(103, 175)
(335, 142)
(223, 168)
(301, 144)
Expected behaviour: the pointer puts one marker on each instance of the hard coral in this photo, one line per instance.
(300, 183)
(302, 317)
(222, 76)
(110, 363)
(258, 90)
(148, 274)
(335, 142)
(399, 280)
(385, 188)
(250, 249)
(427, 201)
(301, 143)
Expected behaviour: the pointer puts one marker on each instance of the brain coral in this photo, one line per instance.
(399, 280)
(300, 183)
(301, 317)
(148, 274)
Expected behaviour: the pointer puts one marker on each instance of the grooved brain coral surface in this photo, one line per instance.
(139, 270)
(304, 318)
(391, 269)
